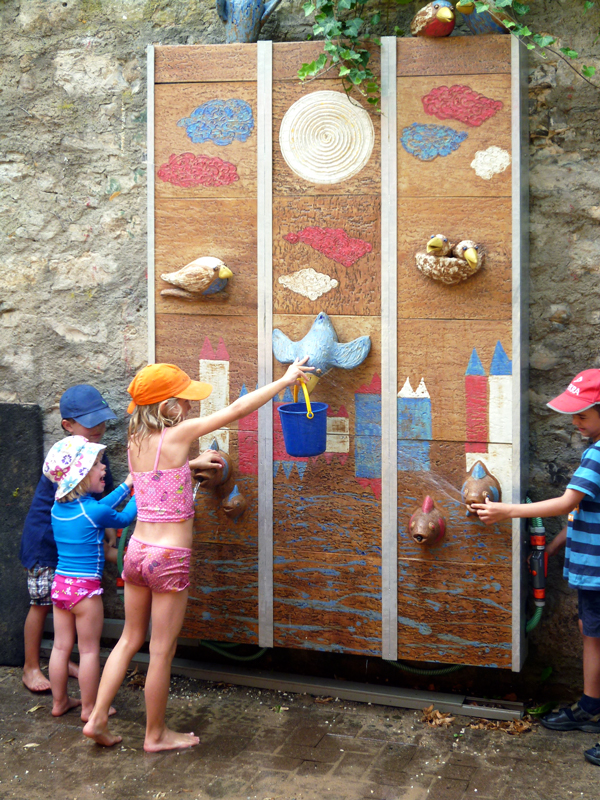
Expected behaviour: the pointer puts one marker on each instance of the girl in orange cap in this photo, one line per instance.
(156, 569)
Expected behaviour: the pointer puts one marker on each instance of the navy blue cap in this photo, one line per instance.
(85, 405)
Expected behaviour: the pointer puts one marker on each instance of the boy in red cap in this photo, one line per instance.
(581, 501)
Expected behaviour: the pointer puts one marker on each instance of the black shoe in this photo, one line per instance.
(593, 755)
(572, 719)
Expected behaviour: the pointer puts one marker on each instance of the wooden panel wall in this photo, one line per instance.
(454, 599)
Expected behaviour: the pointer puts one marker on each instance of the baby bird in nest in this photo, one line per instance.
(449, 263)
(200, 278)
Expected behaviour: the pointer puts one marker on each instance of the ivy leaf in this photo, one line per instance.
(399, 31)
(503, 3)
(344, 70)
(530, 46)
(543, 40)
(307, 70)
(345, 4)
(520, 8)
(569, 53)
(353, 27)
(587, 5)
(589, 72)
(481, 7)
(375, 18)
(320, 62)
(522, 30)
(308, 8)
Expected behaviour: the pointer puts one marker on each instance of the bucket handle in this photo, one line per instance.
(309, 411)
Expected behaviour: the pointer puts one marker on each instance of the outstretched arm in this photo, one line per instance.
(191, 429)
(559, 541)
(556, 507)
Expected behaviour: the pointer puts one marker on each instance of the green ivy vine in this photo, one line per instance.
(347, 29)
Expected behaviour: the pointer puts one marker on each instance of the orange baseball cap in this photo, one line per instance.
(158, 382)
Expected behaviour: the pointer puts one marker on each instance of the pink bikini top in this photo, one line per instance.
(163, 495)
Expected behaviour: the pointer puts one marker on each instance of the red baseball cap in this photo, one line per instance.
(158, 382)
(582, 393)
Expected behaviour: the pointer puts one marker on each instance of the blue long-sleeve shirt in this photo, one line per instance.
(78, 528)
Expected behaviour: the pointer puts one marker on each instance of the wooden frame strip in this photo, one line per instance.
(389, 353)
(520, 339)
(264, 222)
(150, 204)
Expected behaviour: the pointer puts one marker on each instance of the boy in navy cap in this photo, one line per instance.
(581, 501)
(84, 412)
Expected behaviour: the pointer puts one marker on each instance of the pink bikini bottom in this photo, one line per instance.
(67, 592)
(160, 569)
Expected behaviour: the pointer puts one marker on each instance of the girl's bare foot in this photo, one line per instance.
(60, 708)
(35, 680)
(73, 670)
(85, 715)
(100, 734)
(170, 740)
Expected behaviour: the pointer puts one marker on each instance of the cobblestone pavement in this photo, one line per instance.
(264, 745)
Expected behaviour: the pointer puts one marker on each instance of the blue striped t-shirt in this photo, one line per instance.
(582, 553)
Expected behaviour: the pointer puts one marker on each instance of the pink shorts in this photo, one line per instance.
(160, 569)
(67, 592)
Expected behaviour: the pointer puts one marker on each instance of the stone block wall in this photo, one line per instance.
(73, 209)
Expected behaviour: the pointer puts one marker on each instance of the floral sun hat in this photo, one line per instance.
(69, 461)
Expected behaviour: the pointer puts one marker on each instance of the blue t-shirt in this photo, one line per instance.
(79, 531)
(582, 554)
(37, 541)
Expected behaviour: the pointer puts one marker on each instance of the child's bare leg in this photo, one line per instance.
(33, 677)
(89, 617)
(591, 666)
(64, 639)
(137, 617)
(168, 610)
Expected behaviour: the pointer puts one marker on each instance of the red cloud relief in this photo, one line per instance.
(333, 243)
(461, 103)
(188, 170)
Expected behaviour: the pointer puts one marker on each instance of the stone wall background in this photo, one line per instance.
(73, 221)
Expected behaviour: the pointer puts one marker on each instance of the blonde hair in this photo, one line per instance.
(83, 487)
(149, 419)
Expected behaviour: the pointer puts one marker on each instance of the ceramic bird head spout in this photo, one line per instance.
(211, 477)
(479, 485)
(234, 504)
(200, 278)
(427, 525)
(435, 19)
(438, 245)
(323, 348)
(470, 252)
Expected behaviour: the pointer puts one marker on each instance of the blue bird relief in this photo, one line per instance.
(322, 347)
(244, 18)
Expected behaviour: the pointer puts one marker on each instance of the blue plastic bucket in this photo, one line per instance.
(303, 435)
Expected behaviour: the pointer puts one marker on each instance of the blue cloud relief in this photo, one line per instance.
(426, 142)
(220, 122)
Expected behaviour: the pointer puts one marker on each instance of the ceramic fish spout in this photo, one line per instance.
(427, 526)
(200, 278)
(234, 504)
(212, 477)
(479, 485)
(435, 19)
(450, 264)
(323, 348)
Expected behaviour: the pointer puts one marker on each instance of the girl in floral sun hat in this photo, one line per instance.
(156, 570)
(78, 523)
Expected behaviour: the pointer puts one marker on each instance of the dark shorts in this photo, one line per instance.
(589, 611)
